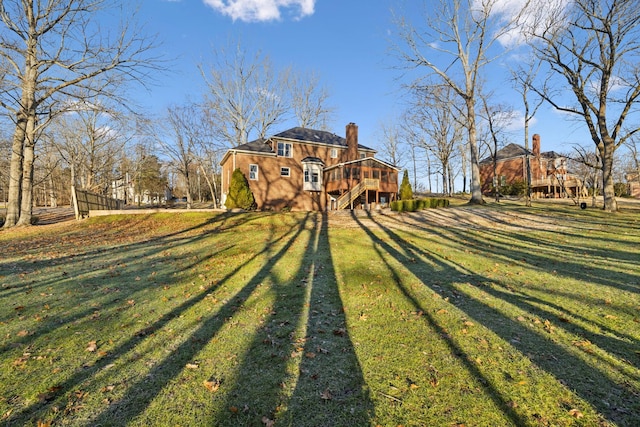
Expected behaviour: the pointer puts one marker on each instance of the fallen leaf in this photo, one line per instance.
(340, 332)
(92, 346)
(192, 366)
(213, 386)
(575, 413)
(233, 409)
(268, 422)
(310, 355)
(23, 333)
(326, 395)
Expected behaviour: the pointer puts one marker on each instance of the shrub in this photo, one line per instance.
(240, 195)
(406, 193)
(620, 189)
(418, 204)
(517, 188)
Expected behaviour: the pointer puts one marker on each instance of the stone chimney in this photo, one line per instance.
(536, 144)
(352, 142)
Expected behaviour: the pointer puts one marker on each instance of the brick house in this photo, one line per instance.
(549, 174)
(306, 170)
(633, 183)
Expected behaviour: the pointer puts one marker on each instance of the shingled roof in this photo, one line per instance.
(256, 146)
(510, 151)
(513, 151)
(317, 136)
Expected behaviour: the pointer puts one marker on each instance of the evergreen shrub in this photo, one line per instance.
(418, 204)
(240, 195)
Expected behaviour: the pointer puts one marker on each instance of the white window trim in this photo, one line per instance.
(255, 174)
(284, 149)
(288, 174)
(334, 153)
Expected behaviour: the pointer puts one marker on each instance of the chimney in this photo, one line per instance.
(536, 144)
(352, 142)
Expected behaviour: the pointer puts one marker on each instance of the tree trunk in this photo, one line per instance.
(15, 174)
(476, 191)
(610, 203)
(26, 204)
(186, 178)
(213, 193)
(53, 199)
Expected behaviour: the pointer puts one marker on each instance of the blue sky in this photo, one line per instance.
(345, 41)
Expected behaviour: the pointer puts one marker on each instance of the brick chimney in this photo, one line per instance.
(536, 144)
(352, 142)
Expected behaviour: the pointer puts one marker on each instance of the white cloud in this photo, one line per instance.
(261, 10)
(516, 121)
(529, 15)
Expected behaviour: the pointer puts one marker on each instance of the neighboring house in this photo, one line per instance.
(305, 169)
(633, 181)
(549, 174)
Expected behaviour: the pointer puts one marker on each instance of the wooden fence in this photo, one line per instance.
(84, 201)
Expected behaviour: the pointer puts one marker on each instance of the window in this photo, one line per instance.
(312, 177)
(284, 149)
(253, 172)
(362, 155)
(334, 153)
(285, 172)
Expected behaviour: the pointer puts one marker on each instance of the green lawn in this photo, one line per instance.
(301, 319)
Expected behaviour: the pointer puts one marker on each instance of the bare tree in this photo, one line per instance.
(593, 46)
(56, 49)
(179, 140)
(309, 101)
(464, 32)
(88, 138)
(435, 114)
(587, 165)
(245, 97)
(497, 118)
(392, 145)
(524, 77)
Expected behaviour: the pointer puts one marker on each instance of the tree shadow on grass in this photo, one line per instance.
(313, 377)
(140, 394)
(613, 398)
